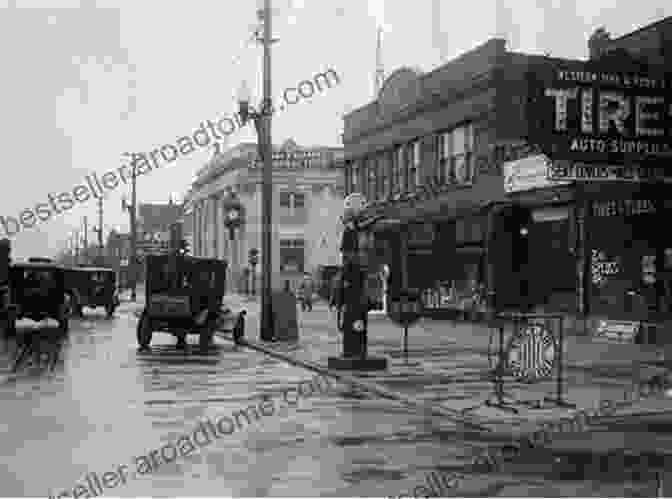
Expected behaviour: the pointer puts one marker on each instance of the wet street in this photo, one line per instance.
(101, 404)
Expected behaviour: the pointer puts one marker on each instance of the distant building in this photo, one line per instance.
(307, 204)
(118, 255)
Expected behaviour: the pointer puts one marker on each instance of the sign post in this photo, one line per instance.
(405, 309)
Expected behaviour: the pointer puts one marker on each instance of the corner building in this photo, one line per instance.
(455, 164)
(307, 204)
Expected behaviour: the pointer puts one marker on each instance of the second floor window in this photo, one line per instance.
(400, 168)
(455, 155)
(414, 173)
(384, 176)
(355, 176)
(371, 173)
(292, 202)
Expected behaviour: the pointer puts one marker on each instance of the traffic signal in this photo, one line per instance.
(184, 248)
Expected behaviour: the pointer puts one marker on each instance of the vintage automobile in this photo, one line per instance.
(183, 295)
(91, 287)
(37, 292)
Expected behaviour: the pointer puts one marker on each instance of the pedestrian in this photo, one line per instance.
(306, 292)
(335, 291)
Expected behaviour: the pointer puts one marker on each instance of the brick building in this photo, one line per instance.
(455, 162)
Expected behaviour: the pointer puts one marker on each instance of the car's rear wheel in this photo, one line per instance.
(144, 331)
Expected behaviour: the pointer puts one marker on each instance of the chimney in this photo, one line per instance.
(598, 43)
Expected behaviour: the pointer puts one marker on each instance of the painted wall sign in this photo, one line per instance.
(603, 267)
(622, 207)
(582, 114)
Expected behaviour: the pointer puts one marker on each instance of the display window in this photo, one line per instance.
(626, 280)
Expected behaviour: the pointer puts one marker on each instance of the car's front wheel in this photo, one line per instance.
(144, 331)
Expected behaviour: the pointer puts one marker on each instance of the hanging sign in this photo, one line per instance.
(622, 331)
(528, 173)
(531, 353)
(620, 173)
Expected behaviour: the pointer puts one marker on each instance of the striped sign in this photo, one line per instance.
(531, 353)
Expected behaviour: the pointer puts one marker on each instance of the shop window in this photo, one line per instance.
(292, 255)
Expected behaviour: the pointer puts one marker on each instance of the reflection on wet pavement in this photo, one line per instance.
(107, 404)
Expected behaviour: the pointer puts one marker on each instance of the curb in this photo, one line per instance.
(472, 423)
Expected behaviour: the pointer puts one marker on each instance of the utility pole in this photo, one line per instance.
(134, 235)
(266, 333)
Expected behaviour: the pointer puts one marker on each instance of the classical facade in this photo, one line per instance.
(307, 204)
(503, 180)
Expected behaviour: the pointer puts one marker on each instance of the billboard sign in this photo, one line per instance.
(579, 112)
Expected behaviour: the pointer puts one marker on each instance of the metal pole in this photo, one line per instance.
(134, 235)
(100, 227)
(86, 239)
(266, 333)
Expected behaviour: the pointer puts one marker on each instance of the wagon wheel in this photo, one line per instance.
(207, 333)
(144, 331)
(109, 309)
(64, 319)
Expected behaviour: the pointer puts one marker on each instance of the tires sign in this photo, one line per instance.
(531, 353)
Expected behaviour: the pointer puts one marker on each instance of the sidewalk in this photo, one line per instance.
(448, 365)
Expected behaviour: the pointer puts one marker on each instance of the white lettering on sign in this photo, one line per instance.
(623, 207)
(644, 115)
(561, 96)
(614, 109)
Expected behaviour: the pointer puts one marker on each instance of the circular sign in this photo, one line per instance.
(404, 309)
(531, 353)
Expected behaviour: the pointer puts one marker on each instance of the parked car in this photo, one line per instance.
(37, 292)
(92, 287)
(183, 295)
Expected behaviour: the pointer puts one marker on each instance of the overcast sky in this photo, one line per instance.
(84, 81)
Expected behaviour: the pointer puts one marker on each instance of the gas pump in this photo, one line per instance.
(354, 297)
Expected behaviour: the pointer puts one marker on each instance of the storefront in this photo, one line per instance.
(605, 129)
(630, 252)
